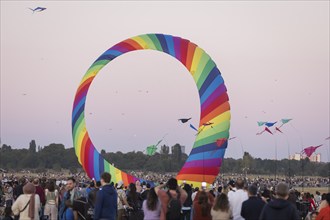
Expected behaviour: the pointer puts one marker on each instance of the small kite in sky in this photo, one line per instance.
(37, 9)
(205, 125)
(184, 120)
(284, 121)
(231, 138)
(208, 124)
(328, 138)
(277, 129)
(270, 124)
(310, 150)
(193, 127)
(266, 129)
(151, 150)
(261, 123)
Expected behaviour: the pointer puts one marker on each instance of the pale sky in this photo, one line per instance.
(274, 58)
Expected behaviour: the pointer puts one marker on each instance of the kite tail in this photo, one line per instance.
(193, 127)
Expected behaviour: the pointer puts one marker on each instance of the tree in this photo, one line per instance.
(33, 147)
(247, 162)
(164, 150)
(176, 152)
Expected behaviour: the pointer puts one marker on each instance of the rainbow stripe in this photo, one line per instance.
(204, 161)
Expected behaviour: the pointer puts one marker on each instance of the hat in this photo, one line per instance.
(120, 184)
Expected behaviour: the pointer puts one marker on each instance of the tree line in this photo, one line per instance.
(57, 157)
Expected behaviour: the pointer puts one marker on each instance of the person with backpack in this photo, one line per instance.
(186, 207)
(83, 208)
(135, 202)
(171, 200)
(121, 201)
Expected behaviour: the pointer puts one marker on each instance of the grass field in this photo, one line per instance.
(314, 189)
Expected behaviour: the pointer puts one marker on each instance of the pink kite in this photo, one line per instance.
(310, 150)
(277, 129)
(266, 129)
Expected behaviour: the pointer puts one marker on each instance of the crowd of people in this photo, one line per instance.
(78, 198)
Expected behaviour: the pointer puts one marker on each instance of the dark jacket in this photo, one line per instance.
(279, 209)
(17, 191)
(40, 191)
(251, 208)
(106, 203)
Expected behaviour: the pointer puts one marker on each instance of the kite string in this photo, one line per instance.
(288, 143)
(275, 142)
(300, 137)
(301, 155)
(241, 146)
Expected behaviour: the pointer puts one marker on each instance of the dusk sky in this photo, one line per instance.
(273, 56)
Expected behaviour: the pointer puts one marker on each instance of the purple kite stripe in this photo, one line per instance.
(218, 92)
(207, 163)
(91, 156)
(177, 47)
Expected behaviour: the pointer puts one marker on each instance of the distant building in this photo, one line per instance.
(183, 148)
(296, 156)
(315, 158)
(312, 158)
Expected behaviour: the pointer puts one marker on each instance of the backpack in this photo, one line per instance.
(173, 207)
(188, 202)
(90, 211)
(84, 208)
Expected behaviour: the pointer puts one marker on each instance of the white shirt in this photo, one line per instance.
(193, 195)
(235, 200)
(21, 202)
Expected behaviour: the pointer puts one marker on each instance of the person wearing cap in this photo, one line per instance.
(252, 207)
(121, 201)
(236, 198)
(27, 205)
(279, 208)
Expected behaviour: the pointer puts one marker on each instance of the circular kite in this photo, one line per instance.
(205, 158)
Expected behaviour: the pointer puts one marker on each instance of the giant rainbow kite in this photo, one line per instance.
(204, 161)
